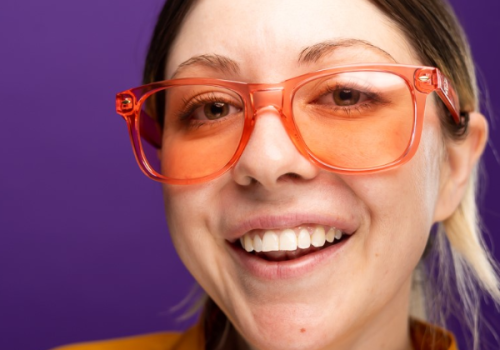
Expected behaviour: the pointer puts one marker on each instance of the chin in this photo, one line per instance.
(290, 328)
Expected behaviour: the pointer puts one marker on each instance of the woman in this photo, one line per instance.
(304, 208)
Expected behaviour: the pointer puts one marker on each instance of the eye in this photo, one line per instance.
(215, 110)
(346, 97)
(342, 97)
(211, 109)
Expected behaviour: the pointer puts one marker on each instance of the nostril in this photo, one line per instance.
(290, 177)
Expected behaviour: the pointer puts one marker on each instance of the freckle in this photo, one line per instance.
(302, 330)
(377, 255)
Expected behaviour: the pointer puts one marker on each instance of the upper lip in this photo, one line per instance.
(347, 224)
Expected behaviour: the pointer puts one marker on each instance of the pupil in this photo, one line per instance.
(346, 97)
(216, 110)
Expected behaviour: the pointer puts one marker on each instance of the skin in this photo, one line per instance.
(360, 299)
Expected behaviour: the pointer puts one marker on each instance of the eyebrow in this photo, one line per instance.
(314, 53)
(310, 54)
(217, 62)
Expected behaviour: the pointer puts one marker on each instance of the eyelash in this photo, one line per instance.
(191, 105)
(374, 98)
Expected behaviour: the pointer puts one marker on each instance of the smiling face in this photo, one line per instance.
(350, 295)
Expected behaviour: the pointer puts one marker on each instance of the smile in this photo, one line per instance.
(278, 263)
(290, 243)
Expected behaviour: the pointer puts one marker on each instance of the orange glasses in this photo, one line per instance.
(351, 119)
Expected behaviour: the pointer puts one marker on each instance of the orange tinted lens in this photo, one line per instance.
(202, 128)
(355, 120)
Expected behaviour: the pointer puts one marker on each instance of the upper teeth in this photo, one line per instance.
(289, 239)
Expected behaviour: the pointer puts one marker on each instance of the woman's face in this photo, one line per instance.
(353, 295)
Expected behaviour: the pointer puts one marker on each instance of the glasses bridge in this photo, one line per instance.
(265, 98)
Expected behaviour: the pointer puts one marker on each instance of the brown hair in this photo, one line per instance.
(166, 30)
(437, 38)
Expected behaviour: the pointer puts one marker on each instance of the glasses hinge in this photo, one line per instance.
(124, 103)
(426, 80)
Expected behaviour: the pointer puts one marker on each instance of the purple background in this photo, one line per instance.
(84, 248)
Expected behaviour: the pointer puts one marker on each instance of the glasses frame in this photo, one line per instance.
(421, 81)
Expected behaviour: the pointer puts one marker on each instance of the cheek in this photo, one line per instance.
(188, 210)
(400, 206)
(183, 208)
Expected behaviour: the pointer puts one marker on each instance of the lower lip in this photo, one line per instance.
(272, 270)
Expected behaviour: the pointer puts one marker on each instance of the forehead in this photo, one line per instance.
(267, 37)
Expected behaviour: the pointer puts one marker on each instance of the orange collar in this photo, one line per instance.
(426, 336)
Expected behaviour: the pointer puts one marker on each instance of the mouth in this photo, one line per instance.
(279, 245)
(290, 245)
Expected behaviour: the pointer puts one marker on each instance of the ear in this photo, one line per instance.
(458, 165)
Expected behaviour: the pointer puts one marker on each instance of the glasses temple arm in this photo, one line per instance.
(448, 95)
(150, 130)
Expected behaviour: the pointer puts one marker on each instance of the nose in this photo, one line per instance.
(270, 157)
